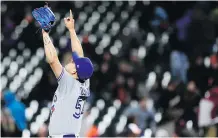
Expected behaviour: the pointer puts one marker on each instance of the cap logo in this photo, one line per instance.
(77, 66)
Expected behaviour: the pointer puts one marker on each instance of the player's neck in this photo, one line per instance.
(74, 75)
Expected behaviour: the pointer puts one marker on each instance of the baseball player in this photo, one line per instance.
(73, 79)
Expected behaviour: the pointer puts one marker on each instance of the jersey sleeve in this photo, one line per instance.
(59, 79)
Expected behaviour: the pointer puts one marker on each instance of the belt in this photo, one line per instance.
(69, 136)
(64, 136)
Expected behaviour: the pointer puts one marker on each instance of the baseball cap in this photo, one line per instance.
(84, 66)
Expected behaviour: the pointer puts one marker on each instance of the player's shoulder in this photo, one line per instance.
(84, 88)
(67, 79)
(75, 81)
(86, 83)
(79, 83)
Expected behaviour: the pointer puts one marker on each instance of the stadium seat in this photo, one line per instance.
(29, 113)
(34, 106)
(26, 53)
(100, 104)
(26, 133)
(121, 124)
(12, 53)
(117, 104)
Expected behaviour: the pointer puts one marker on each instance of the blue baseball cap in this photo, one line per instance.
(84, 66)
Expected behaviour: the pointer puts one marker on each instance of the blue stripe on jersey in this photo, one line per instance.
(62, 73)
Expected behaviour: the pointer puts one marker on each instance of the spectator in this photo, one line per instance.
(160, 20)
(182, 25)
(144, 117)
(189, 103)
(198, 73)
(179, 65)
(43, 131)
(213, 77)
(168, 94)
(8, 127)
(214, 18)
(181, 31)
(201, 32)
(208, 109)
(17, 111)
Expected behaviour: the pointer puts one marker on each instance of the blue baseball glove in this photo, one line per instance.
(45, 17)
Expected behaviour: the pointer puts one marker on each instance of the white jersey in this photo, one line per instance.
(67, 106)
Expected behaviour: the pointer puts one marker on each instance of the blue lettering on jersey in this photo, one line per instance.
(84, 92)
(81, 99)
(78, 107)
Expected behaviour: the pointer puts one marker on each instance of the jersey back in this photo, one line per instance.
(68, 105)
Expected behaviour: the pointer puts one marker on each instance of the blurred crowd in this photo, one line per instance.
(168, 65)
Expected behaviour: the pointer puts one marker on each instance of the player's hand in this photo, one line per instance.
(69, 21)
(44, 32)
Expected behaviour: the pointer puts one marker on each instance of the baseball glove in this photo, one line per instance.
(45, 17)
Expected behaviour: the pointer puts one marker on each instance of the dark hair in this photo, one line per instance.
(81, 80)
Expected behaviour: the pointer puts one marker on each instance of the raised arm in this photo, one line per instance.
(75, 43)
(51, 54)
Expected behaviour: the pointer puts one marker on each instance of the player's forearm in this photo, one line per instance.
(50, 51)
(75, 43)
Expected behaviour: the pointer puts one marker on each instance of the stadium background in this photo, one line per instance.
(162, 54)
